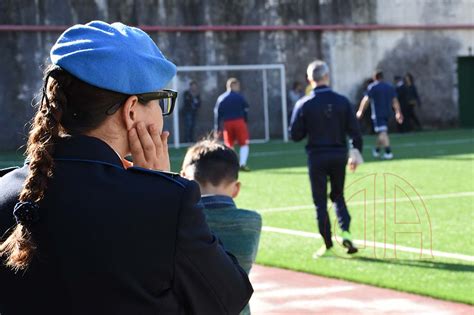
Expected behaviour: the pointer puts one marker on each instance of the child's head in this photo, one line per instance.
(214, 166)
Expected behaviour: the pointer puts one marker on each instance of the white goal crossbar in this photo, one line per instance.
(264, 69)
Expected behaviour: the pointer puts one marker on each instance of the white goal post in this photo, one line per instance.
(263, 68)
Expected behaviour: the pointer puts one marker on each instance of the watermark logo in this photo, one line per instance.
(393, 213)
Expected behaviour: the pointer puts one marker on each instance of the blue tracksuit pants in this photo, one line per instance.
(322, 166)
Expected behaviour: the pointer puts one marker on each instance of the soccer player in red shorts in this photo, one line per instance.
(230, 114)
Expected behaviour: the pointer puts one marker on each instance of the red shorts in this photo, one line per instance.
(235, 129)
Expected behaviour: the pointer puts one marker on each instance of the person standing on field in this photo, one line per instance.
(327, 118)
(191, 105)
(231, 115)
(382, 97)
(294, 95)
(410, 100)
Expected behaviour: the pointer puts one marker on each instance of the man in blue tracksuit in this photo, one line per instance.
(327, 118)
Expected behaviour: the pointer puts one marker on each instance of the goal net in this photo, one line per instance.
(263, 86)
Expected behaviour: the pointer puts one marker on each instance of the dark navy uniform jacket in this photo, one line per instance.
(117, 241)
(327, 118)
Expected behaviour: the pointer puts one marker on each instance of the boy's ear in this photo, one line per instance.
(236, 189)
(129, 112)
(187, 172)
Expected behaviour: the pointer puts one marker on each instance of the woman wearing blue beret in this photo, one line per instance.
(85, 231)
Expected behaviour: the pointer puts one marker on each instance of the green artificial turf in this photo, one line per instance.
(422, 198)
(429, 173)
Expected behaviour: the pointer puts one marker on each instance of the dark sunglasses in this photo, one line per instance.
(166, 99)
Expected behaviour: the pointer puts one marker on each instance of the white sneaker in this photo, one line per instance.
(375, 154)
(388, 156)
(323, 252)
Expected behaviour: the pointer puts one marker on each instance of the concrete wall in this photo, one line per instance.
(429, 55)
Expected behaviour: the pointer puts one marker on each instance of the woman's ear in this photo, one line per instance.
(129, 112)
(235, 189)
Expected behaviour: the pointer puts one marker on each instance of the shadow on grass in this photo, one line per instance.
(421, 263)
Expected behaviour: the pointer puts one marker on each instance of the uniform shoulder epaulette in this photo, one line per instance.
(174, 177)
(5, 171)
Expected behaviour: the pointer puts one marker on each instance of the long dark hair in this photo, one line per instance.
(409, 76)
(68, 106)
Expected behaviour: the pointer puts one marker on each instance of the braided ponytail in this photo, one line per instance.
(68, 106)
(20, 246)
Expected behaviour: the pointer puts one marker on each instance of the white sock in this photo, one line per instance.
(244, 154)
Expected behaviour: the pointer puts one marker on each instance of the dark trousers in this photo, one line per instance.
(189, 123)
(321, 167)
(410, 119)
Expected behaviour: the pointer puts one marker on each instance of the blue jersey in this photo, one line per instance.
(327, 118)
(381, 96)
(230, 105)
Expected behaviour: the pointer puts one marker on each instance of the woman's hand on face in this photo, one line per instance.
(149, 149)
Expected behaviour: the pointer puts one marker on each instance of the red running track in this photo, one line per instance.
(279, 291)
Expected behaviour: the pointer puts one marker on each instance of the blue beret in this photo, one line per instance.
(114, 56)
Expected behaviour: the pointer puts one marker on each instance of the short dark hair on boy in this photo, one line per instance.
(212, 162)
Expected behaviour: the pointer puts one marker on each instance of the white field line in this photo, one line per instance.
(369, 243)
(377, 201)
(401, 145)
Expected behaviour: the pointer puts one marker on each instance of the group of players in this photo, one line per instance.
(231, 114)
